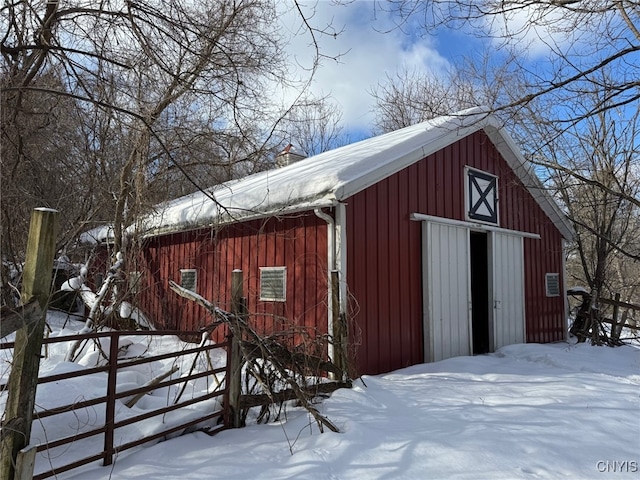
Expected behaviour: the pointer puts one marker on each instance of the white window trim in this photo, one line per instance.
(467, 194)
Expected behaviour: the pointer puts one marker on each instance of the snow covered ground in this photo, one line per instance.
(527, 411)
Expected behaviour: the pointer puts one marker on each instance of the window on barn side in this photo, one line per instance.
(481, 191)
(188, 278)
(273, 284)
(552, 284)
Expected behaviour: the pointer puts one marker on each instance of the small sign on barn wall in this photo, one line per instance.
(482, 196)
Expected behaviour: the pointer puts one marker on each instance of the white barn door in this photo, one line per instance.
(447, 291)
(508, 289)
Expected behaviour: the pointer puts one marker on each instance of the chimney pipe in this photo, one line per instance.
(288, 156)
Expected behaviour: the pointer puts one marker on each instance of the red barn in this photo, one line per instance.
(443, 240)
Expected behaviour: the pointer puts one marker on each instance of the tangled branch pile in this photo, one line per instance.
(278, 372)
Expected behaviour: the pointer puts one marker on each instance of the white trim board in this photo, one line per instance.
(420, 217)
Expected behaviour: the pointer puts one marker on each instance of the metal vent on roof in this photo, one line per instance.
(273, 284)
(288, 156)
(552, 283)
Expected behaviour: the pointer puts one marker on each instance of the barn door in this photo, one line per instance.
(508, 289)
(446, 293)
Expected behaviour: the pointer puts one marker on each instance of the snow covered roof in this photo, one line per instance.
(330, 177)
(97, 235)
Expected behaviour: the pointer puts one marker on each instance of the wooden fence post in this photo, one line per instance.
(110, 405)
(235, 368)
(25, 462)
(23, 379)
(616, 327)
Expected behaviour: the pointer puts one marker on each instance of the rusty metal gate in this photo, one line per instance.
(208, 421)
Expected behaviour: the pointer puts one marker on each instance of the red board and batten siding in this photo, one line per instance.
(298, 243)
(384, 269)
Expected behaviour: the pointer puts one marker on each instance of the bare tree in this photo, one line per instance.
(573, 43)
(170, 96)
(409, 98)
(313, 126)
(564, 77)
(42, 155)
(592, 167)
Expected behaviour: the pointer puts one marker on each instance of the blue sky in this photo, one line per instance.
(373, 49)
(370, 49)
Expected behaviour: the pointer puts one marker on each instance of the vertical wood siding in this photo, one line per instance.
(384, 251)
(298, 243)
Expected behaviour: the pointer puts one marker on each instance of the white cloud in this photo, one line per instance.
(369, 48)
(536, 29)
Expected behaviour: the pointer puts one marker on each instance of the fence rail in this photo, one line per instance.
(590, 317)
(211, 422)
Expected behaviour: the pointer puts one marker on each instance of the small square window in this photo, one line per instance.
(273, 284)
(552, 284)
(188, 278)
(482, 196)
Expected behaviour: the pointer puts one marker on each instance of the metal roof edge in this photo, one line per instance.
(234, 219)
(512, 154)
(471, 121)
(450, 134)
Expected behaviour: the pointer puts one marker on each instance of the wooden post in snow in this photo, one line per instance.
(235, 358)
(23, 379)
(616, 327)
(25, 462)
